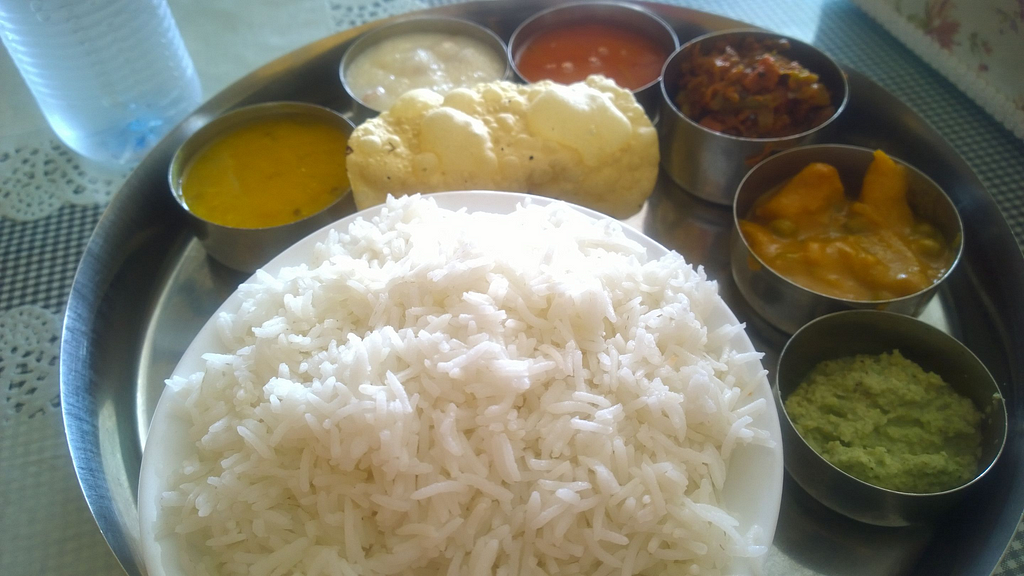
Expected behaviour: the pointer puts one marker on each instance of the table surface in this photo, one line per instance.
(50, 201)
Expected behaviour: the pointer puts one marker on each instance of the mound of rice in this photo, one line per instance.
(448, 393)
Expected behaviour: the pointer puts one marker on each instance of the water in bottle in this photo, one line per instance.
(111, 76)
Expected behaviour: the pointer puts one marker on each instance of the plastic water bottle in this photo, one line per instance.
(111, 76)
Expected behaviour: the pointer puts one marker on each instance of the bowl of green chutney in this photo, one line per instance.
(886, 419)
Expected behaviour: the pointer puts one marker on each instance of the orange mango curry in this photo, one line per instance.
(868, 249)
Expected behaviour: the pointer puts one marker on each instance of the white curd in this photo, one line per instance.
(440, 62)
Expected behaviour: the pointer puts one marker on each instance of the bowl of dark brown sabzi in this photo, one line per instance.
(730, 99)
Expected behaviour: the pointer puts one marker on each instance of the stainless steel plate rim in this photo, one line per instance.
(131, 272)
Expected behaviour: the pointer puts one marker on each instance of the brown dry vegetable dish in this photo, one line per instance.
(750, 89)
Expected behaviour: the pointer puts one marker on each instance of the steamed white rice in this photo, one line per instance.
(446, 393)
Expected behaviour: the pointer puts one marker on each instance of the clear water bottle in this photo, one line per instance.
(111, 76)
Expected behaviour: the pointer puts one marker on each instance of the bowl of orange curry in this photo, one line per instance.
(826, 228)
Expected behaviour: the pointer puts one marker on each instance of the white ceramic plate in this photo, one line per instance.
(752, 492)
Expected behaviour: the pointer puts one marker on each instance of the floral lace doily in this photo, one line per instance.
(29, 346)
(46, 526)
(35, 181)
(346, 14)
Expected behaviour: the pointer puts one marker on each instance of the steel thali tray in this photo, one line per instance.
(145, 287)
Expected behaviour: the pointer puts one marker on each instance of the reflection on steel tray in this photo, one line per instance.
(145, 287)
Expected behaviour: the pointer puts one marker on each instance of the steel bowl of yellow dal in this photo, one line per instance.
(259, 178)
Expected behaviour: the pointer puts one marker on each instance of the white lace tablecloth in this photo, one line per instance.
(50, 202)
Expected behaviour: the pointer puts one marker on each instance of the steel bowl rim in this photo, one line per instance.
(756, 32)
(223, 123)
(615, 4)
(1002, 413)
(379, 33)
(952, 266)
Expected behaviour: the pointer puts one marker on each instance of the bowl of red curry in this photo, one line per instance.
(731, 99)
(621, 41)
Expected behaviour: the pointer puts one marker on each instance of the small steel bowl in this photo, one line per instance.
(787, 305)
(855, 332)
(247, 249)
(433, 24)
(710, 164)
(619, 14)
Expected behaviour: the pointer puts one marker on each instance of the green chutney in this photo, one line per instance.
(884, 420)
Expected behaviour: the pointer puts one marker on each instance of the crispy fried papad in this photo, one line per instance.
(589, 143)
